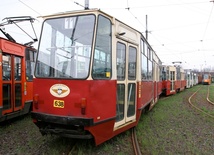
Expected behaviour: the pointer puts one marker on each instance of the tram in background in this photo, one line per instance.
(189, 78)
(94, 76)
(173, 79)
(206, 79)
(195, 78)
(16, 74)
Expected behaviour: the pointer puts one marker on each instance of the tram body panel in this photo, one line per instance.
(147, 93)
(99, 96)
(159, 84)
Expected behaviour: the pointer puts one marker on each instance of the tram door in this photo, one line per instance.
(172, 80)
(126, 83)
(11, 83)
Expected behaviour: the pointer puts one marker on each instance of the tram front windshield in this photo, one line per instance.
(65, 47)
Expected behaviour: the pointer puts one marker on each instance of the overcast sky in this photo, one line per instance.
(179, 30)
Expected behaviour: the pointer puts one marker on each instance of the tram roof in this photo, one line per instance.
(87, 11)
(67, 13)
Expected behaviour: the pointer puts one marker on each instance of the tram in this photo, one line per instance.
(206, 79)
(173, 79)
(16, 77)
(94, 76)
(189, 78)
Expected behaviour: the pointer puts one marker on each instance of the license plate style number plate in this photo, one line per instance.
(58, 103)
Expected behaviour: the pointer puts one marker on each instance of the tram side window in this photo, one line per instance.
(150, 64)
(102, 55)
(30, 64)
(17, 68)
(121, 61)
(178, 74)
(160, 72)
(145, 48)
(144, 65)
(42, 67)
(167, 73)
(120, 102)
(150, 75)
(164, 75)
(172, 75)
(132, 63)
(6, 72)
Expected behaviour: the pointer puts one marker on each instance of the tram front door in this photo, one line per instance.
(11, 83)
(126, 83)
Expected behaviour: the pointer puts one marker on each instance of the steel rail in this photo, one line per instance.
(196, 106)
(135, 143)
(208, 94)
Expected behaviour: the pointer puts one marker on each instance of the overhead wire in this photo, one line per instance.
(30, 7)
(204, 34)
(165, 45)
(152, 33)
(207, 23)
(159, 5)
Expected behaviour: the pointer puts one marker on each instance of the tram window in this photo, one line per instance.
(167, 73)
(144, 67)
(17, 69)
(163, 75)
(142, 47)
(30, 63)
(121, 61)
(6, 72)
(120, 102)
(172, 75)
(6, 92)
(150, 76)
(132, 63)
(102, 54)
(178, 74)
(160, 73)
(131, 99)
(149, 53)
(65, 47)
(145, 51)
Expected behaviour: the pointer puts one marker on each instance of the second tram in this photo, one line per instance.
(16, 73)
(16, 79)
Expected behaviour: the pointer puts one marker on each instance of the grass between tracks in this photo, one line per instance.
(173, 127)
(211, 95)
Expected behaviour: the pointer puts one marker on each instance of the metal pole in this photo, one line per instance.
(146, 29)
(86, 4)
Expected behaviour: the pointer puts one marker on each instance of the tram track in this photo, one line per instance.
(197, 107)
(135, 143)
(208, 94)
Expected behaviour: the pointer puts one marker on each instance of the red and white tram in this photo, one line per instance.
(173, 79)
(16, 73)
(94, 76)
